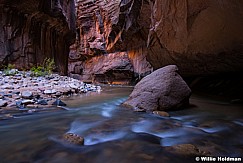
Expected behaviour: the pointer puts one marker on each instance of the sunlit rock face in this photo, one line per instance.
(32, 30)
(200, 37)
(112, 68)
(105, 27)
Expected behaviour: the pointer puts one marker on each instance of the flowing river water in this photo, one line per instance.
(114, 134)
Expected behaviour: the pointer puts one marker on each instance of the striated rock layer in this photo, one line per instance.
(200, 37)
(34, 30)
(100, 29)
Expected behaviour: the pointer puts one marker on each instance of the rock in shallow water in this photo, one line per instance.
(186, 150)
(42, 102)
(59, 103)
(26, 102)
(164, 89)
(161, 113)
(73, 138)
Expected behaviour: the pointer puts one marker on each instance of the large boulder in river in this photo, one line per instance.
(163, 89)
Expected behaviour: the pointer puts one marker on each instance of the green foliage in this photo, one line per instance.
(9, 70)
(38, 71)
(24, 72)
(46, 68)
(10, 66)
(49, 65)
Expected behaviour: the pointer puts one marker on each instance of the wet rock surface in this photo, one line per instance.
(23, 92)
(161, 113)
(164, 89)
(187, 150)
(73, 139)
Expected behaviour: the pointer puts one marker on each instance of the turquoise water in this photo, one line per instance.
(116, 134)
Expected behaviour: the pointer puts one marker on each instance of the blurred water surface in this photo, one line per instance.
(116, 134)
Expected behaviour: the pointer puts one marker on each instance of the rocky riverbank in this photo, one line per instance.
(22, 92)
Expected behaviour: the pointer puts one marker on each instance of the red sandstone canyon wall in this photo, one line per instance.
(199, 36)
(100, 30)
(32, 30)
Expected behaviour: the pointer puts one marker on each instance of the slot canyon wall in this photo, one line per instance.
(33, 30)
(118, 41)
(109, 34)
(128, 39)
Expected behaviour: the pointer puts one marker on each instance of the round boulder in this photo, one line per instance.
(164, 89)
